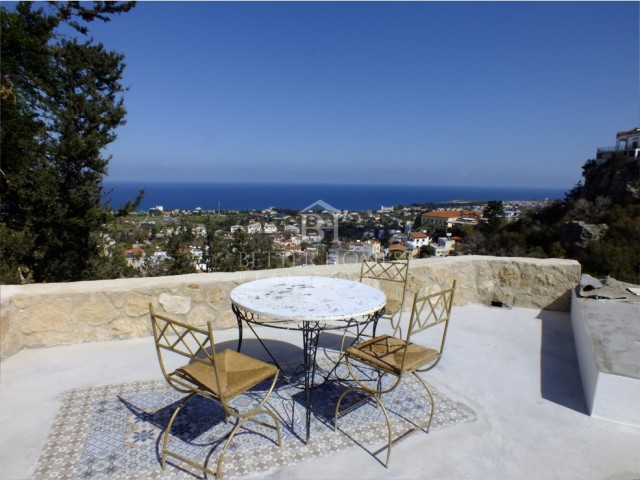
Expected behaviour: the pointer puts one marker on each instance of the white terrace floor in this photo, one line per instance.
(515, 368)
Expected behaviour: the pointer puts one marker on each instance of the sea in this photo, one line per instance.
(259, 196)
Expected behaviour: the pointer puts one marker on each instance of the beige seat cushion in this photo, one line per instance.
(391, 307)
(386, 352)
(238, 373)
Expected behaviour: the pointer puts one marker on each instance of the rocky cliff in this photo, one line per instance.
(617, 178)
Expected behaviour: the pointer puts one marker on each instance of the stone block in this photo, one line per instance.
(217, 296)
(11, 340)
(226, 320)
(131, 327)
(508, 276)
(200, 315)
(196, 292)
(137, 305)
(95, 310)
(174, 304)
(48, 315)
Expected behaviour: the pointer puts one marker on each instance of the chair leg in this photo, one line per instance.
(376, 396)
(433, 403)
(167, 432)
(276, 422)
(241, 421)
(379, 403)
(226, 445)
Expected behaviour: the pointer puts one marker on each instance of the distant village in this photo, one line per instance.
(335, 237)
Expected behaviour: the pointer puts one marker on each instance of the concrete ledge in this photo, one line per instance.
(66, 313)
(607, 338)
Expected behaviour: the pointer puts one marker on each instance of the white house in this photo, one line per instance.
(270, 228)
(443, 246)
(627, 141)
(416, 240)
(255, 227)
(292, 229)
(159, 255)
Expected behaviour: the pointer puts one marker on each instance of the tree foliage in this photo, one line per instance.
(617, 252)
(494, 214)
(426, 251)
(242, 252)
(62, 100)
(537, 234)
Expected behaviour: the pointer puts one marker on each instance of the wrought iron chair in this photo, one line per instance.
(391, 276)
(397, 357)
(218, 376)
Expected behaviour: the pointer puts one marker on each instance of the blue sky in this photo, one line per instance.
(434, 93)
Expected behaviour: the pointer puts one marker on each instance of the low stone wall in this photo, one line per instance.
(64, 313)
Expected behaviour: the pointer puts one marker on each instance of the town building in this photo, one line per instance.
(416, 240)
(292, 229)
(255, 227)
(396, 251)
(443, 246)
(353, 252)
(627, 142)
(135, 257)
(448, 218)
(270, 228)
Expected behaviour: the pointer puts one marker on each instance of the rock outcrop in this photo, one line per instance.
(617, 178)
(577, 234)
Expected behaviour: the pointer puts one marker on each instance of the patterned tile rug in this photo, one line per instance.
(113, 431)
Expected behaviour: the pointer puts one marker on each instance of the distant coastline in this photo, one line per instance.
(256, 196)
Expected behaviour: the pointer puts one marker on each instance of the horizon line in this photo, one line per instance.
(392, 184)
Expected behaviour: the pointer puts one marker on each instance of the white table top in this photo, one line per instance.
(308, 299)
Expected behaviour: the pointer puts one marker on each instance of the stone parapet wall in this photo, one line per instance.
(64, 313)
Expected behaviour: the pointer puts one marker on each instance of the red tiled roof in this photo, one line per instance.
(443, 214)
(417, 235)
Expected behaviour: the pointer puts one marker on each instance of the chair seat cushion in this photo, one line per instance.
(237, 372)
(391, 307)
(386, 352)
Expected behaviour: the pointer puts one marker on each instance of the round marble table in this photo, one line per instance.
(309, 304)
(299, 300)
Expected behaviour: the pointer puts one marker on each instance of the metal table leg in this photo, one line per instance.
(247, 317)
(310, 335)
(239, 317)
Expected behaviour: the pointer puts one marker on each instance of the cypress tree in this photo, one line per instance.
(62, 100)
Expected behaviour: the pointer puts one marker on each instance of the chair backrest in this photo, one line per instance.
(430, 311)
(389, 271)
(392, 271)
(193, 343)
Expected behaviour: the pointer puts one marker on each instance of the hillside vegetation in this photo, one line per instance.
(597, 223)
